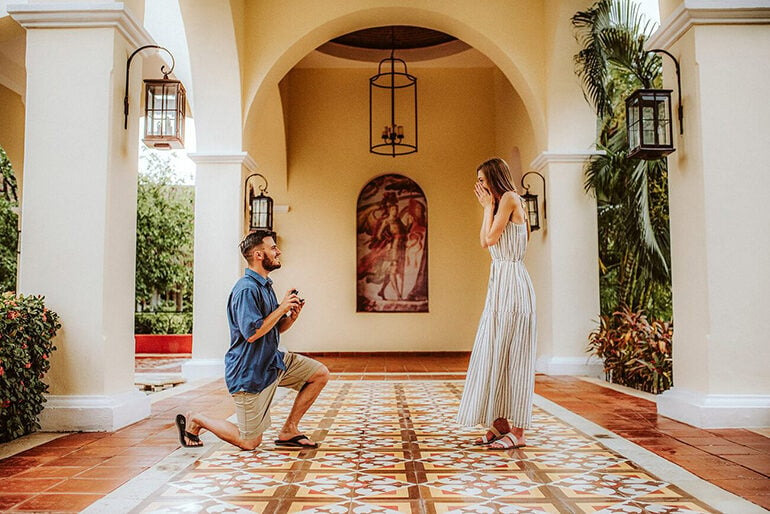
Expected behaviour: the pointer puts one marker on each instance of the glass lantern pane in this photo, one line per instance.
(664, 130)
(157, 97)
(170, 124)
(648, 132)
(258, 213)
(633, 136)
(170, 93)
(633, 115)
(648, 112)
(157, 124)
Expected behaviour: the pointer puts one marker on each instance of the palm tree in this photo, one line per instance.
(631, 193)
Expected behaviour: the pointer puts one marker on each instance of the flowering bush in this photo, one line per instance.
(636, 351)
(27, 328)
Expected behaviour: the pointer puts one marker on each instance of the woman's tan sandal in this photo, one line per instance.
(506, 442)
(484, 440)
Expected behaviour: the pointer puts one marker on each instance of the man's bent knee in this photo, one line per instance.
(321, 375)
(250, 444)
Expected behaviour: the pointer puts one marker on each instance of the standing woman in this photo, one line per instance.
(501, 375)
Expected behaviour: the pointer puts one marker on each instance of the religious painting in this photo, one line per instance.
(392, 246)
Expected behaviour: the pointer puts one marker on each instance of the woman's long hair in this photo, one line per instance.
(498, 176)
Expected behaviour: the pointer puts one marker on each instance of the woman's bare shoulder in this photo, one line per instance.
(511, 197)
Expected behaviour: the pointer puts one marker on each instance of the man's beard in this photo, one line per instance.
(269, 264)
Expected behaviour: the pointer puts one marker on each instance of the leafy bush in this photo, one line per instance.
(27, 328)
(9, 224)
(9, 242)
(163, 322)
(165, 214)
(636, 352)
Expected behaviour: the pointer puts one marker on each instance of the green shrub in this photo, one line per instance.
(636, 352)
(163, 323)
(27, 328)
(9, 242)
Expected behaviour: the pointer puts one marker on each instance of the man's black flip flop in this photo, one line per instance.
(294, 442)
(181, 426)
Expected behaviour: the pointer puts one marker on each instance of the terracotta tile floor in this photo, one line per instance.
(71, 472)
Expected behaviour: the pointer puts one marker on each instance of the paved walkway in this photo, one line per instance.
(394, 437)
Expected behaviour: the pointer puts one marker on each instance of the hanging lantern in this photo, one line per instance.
(533, 212)
(531, 202)
(164, 113)
(259, 207)
(648, 121)
(392, 102)
(164, 107)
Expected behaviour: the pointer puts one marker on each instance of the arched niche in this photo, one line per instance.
(392, 246)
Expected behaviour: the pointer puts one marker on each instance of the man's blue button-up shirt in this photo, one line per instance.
(251, 367)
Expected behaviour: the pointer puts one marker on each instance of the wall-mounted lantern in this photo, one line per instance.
(164, 108)
(531, 203)
(259, 207)
(648, 120)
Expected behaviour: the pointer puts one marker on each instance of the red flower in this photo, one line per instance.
(44, 318)
(2, 371)
(45, 356)
(12, 315)
(28, 365)
(6, 403)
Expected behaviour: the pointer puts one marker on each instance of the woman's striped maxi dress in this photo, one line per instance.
(501, 374)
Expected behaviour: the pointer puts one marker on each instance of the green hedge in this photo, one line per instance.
(27, 328)
(163, 323)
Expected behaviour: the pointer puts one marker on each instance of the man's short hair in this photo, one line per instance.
(252, 240)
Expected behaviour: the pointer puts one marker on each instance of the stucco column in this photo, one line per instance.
(718, 214)
(79, 210)
(566, 264)
(219, 215)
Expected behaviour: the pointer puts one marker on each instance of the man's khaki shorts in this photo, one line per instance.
(253, 409)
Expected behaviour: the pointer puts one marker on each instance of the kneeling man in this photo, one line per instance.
(254, 367)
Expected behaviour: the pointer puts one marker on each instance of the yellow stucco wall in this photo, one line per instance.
(329, 163)
(12, 130)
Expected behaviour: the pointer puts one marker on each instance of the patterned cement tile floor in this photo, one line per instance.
(391, 447)
(115, 472)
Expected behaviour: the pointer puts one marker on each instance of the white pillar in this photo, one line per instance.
(219, 214)
(719, 212)
(565, 261)
(79, 209)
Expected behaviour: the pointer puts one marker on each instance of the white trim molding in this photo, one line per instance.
(82, 15)
(708, 12)
(196, 369)
(590, 366)
(242, 158)
(715, 410)
(546, 158)
(93, 413)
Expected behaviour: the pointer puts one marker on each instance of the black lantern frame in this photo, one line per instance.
(164, 108)
(400, 92)
(531, 202)
(649, 123)
(259, 207)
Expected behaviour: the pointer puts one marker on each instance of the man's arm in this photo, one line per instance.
(291, 304)
(269, 322)
(287, 321)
